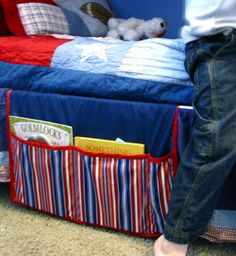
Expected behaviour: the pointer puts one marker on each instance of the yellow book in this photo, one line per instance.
(109, 146)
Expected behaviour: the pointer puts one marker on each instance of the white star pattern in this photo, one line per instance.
(93, 50)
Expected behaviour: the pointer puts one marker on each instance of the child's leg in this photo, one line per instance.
(211, 152)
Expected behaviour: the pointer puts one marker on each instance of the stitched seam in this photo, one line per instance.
(188, 199)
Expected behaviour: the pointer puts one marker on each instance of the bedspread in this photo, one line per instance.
(146, 71)
(151, 70)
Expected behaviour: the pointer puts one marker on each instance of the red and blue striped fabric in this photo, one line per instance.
(23, 50)
(130, 194)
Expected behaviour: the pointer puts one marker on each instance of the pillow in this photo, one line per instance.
(73, 17)
(4, 31)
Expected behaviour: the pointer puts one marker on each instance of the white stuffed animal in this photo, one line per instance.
(134, 29)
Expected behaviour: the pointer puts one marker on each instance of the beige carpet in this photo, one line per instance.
(25, 232)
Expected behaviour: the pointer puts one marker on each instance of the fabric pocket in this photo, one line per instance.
(125, 193)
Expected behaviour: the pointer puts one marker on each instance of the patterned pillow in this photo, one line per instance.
(73, 17)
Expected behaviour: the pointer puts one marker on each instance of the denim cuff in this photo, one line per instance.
(182, 237)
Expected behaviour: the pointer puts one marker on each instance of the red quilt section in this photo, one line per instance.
(36, 50)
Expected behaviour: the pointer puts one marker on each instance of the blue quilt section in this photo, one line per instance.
(74, 82)
(156, 59)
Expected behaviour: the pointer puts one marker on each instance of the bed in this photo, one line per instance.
(103, 88)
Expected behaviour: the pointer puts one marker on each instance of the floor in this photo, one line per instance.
(25, 232)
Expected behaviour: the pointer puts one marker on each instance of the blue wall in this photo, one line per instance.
(170, 10)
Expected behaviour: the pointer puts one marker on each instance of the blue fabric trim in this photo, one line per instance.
(223, 219)
(3, 133)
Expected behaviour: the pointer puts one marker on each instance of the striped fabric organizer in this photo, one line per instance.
(128, 193)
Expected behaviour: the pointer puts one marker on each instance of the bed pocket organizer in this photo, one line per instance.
(119, 192)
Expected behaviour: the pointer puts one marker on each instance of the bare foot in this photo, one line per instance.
(164, 247)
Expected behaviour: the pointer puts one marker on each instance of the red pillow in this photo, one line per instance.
(4, 31)
(12, 15)
(39, 17)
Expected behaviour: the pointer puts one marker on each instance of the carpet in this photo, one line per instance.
(26, 232)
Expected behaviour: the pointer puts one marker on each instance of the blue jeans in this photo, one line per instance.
(210, 156)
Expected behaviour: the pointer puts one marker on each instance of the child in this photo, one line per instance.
(210, 36)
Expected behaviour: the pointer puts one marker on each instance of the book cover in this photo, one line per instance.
(109, 146)
(40, 131)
